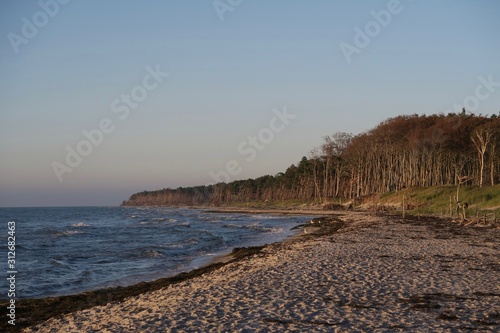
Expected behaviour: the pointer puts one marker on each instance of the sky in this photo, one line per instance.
(102, 99)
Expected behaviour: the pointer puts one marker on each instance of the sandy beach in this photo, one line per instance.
(373, 274)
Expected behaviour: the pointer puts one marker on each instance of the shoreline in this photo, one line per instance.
(455, 283)
(45, 308)
(226, 256)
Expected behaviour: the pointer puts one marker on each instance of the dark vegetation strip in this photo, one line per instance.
(450, 148)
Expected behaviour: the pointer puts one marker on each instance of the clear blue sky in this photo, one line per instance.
(225, 78)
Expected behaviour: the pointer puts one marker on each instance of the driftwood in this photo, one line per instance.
(461, 207)
(485, 220)
(334, 206)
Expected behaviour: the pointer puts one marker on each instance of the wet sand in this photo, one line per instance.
(354, 272)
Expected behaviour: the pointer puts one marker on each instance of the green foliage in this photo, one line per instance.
(436, 200)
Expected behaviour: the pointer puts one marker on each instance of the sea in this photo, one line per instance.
(69, 250)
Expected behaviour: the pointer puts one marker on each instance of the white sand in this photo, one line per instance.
(376, 275)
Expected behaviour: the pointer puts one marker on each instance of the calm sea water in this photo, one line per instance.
(62, 251)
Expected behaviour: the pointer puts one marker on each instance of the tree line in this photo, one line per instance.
(404, 151)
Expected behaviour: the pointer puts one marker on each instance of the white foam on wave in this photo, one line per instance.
(69, 233)
(173, 246)
(158, 219)
(273, 230)
(58, 263)
(268, 217)
(80, 225)
(152, 254)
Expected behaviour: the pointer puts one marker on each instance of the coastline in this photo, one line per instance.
(226, 256)
(334, 276)
(31, 311)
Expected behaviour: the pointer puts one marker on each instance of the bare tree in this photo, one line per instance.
(327, 150)
(341, 141)
(315, 157)
(481, 138)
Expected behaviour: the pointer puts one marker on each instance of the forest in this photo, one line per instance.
(401, 152)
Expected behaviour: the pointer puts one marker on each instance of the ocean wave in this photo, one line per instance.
(268, 217)
(150, 254)
(273, 230)
(157, 220)
(85, 277)
(232, 225)
(69, 233)
(163, 219)
(80, 225)
(144, 253)
(173, 246)
(58, 263)
(191, 241)
(217, 218)
(255, 226)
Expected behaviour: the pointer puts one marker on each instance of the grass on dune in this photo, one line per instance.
(430, 200)
(436, 200)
